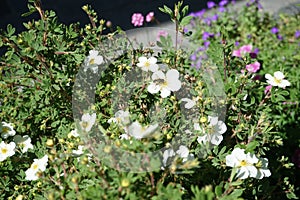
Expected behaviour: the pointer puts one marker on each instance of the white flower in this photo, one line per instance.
(167, 154)
(7, 130)
(31, 174)
(147, 64)
(6, 150)
(170, 82)
(214, 132)
(79, 151)
(87, 121)
(23, 142)
(277, 80)
(183, 152)
(121, 117)
(262, 169)
(93, 60)
(137, 131)
(243, 162)
(73, 133)
(189, 103)
(37, 166)
(124, 136)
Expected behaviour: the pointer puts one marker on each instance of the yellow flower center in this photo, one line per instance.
(92, 61)
(4, 150)
(243, 163)
(164, 84)
(84, 124)
(278, 81)
(5, 129)
(147, 64)
(35, 166)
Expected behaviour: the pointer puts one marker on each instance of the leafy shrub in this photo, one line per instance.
(88, 115)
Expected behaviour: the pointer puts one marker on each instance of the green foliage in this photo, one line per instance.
(39, 70)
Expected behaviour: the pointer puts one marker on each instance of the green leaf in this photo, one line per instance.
(236, 193)
(10, 30)
(185, 10)
(218, 190)
(186, 20)
(56, 87)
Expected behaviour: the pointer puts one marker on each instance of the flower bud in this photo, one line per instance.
(50, 143)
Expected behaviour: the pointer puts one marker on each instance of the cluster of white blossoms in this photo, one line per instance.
(213, 132)
(165, 83)
(92, 61)
(134, 129)
(38, 166)
(9, 149)
(277, 80)
(248, 165)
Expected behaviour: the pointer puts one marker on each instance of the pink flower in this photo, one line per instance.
(253, 67)
(137, 19)
(161, 34)
(268, 89)
(150, 17)
(246, 48)
(242, 50)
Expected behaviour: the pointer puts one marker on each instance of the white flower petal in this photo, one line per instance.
(172, 74)
(278, 75)
(158, 75)
(231, 161)
(242, 173)
(164, 92)
(284, 83)
(174, 85)
(152, 60)
(216, 139)
(153, 68)
(190, 103)
(213, 120)
(153, 88)
(202, 139)
(268, 76)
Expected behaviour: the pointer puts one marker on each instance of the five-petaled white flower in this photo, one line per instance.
(189, 103)
(167, 83)
(73, 133)
(121, 117)
(38, 165)
(87, 121)
(214, 131)
(6, 150)
(79, 151)
(93, 60)
(138, 131)
(6, 130)
(148, 64)
(277, 80)
(23, 142)
(243, 162)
